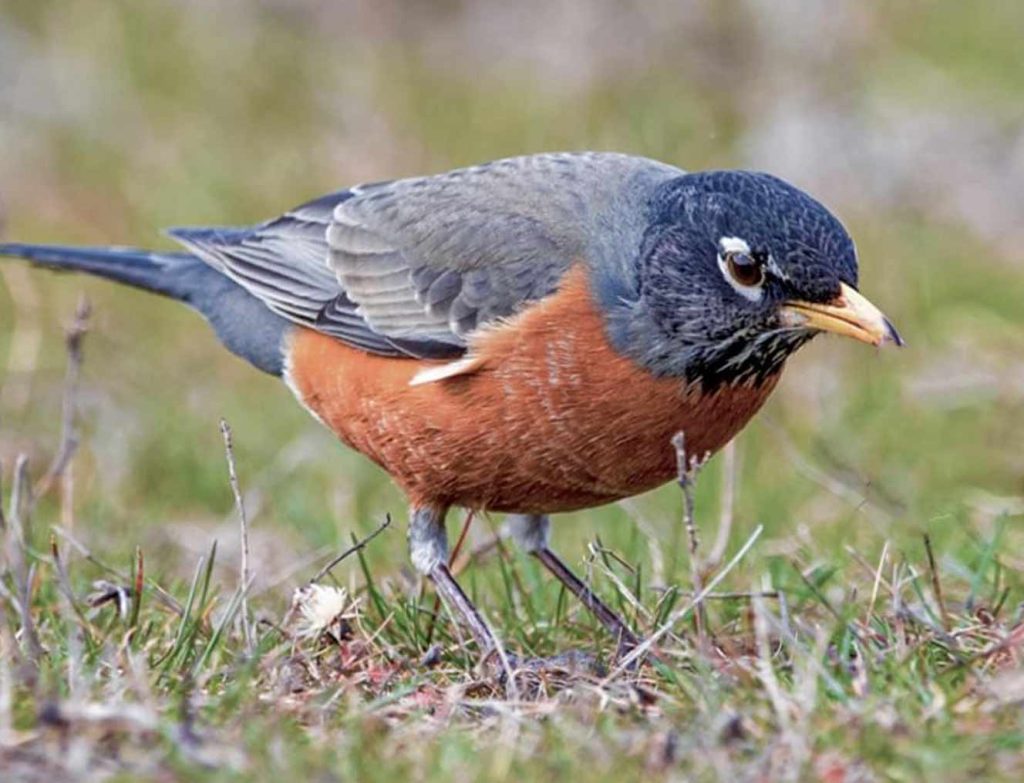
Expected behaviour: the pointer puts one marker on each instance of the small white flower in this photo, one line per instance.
(318, 609)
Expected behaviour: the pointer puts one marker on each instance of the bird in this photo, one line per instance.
(524, 336)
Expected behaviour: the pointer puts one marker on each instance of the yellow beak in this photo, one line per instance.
(849, 314)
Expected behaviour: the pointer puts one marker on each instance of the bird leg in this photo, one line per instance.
(457, 600)
(428, 550)
(531, 532)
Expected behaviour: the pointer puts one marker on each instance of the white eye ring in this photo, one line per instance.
(733, 247)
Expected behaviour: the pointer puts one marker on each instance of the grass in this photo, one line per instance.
(871, 631)
(842, 669)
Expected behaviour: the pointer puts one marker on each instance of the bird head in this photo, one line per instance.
(736, 271)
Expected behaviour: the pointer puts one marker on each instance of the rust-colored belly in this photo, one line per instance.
(553, 420)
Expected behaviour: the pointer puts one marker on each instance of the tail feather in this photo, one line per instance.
(243, 323)
(139, 268)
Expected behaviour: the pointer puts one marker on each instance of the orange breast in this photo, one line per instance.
(553, 419)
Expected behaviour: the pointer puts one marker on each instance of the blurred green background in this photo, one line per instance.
(907, 118)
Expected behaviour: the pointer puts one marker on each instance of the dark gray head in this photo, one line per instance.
(736, 271)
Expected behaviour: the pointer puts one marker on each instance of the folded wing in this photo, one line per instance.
(413, 267)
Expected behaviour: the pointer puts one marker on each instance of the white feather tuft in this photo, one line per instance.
(440, 372)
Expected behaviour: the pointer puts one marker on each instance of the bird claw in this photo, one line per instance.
(530, 675)
(568, 664)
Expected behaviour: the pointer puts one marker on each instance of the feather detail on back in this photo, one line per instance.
(438, 257)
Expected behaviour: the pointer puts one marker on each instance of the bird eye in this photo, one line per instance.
(744, 269)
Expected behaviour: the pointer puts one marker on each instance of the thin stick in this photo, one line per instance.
(737, 595)
(877, 581)
(8, 652)
(140, 570)
(64, 586)
(686, 472)
(642, 649)
(229, 452)
(73, 339)
(351, 550)
(17, 547)
(936, 584)
(166, 598)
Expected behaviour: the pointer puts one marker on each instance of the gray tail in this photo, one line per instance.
(242, 322)
(149, 271)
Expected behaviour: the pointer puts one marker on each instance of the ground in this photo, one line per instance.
(859, 546)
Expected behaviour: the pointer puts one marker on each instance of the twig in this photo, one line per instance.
(16, 545)
(737, 595)
(642, 649)
(598, 549)
(73, 338)
(229, 452)
(64, 587)
(1013, 639)
(351, 550)
(139, 581)
(687, 469)
(936, 585)
(8, 654)
(878, 579)
(625, 593)
(166, 598)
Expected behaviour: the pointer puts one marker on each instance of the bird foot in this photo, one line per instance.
(569, 663)
(533, 676)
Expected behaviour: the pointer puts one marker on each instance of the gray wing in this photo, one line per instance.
(414, 266)
(437, 257)
(283, 262)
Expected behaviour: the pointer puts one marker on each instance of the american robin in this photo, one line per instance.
(522, 336)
